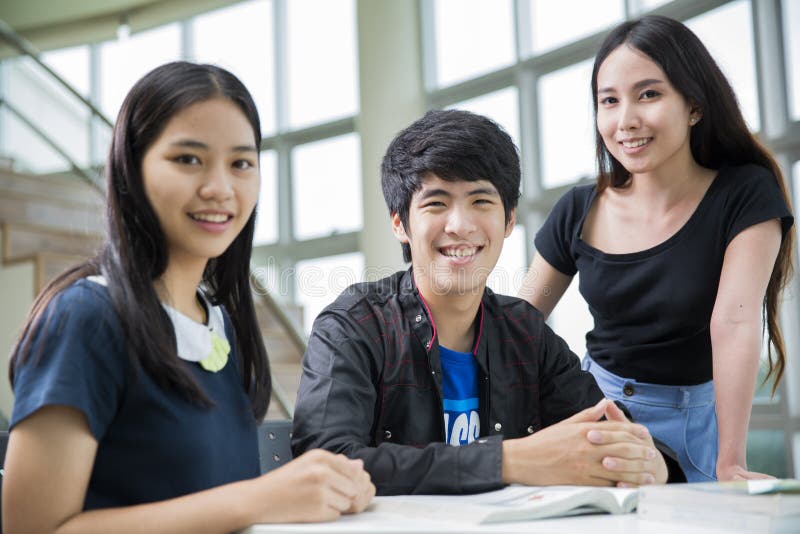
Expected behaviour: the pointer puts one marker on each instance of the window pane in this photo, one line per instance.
(647, 5)
(123, 62)
(571, 318)
(791, 29)
(501, 106)
(796, 178)
(240, 39)
(322, 61)
(327, 187)
(40, 99)
(795, 440)
(320, 281)
(566, 125)
(72, 64)
(763, 390)
(507, 276)
(766, 452)
(27, 151)
(557, 23)
(473, 37)
(727, 32)
(267, 219)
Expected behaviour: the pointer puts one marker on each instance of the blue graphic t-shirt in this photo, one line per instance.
(460, 388)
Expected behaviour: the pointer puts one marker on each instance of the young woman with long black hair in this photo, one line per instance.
(140, 375)
(683, 247)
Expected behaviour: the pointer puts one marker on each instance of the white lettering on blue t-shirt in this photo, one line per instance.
(460, 391)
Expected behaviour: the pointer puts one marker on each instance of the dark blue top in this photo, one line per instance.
(652, 309)
(152, 443)
(460, 396)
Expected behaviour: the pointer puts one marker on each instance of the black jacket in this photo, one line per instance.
(372, 387)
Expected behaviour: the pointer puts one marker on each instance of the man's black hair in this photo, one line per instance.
(453, 145)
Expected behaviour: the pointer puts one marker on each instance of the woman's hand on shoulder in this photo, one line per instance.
(317, 486)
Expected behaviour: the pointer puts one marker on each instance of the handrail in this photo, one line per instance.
(88, 178)
(24, 46)
(295, 333)
(281, 396)
(291, 328)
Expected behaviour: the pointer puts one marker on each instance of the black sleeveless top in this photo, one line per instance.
(652, 309)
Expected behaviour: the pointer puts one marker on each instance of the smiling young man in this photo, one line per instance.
(437, 383)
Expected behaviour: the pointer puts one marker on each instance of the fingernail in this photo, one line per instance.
(651, 453)
(623, 485)
(594, 436)
(642, 432)
(649, 479)
(609, 463)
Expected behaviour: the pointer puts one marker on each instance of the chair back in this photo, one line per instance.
(274, 443)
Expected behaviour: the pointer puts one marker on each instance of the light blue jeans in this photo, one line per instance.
(682, 417)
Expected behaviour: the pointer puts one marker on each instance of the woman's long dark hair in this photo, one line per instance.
(720, 138)
(135, 254)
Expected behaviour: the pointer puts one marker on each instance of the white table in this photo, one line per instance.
(379, 521)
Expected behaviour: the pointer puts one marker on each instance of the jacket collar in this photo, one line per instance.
(419, 316)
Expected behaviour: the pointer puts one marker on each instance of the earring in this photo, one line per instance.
(692, 121)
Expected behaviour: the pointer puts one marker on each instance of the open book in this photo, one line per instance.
(514, 503)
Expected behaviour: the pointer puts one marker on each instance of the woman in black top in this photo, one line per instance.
(683, 245)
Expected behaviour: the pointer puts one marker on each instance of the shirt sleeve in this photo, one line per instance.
(566, 389)
(76, 359)
(335, 411)
(756, 199)
(554, 239)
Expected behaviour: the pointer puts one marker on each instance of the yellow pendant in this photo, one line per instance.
(218, 356)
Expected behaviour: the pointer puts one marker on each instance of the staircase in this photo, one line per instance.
(51, 222)
(284, 356)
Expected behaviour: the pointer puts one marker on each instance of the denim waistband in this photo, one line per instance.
(631, 390)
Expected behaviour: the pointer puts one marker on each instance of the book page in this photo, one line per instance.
(513, 503)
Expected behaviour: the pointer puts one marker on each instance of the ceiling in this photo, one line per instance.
(58, 23)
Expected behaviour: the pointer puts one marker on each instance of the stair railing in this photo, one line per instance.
(93, 180)
(26, 48)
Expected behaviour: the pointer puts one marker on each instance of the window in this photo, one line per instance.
(647, 5)
(766, 452)
(791, 31)
(571, 318)
(321, 60)
(327, 187)
(267, 218)
(72, 64)
(555, 23)
(45, 103)
(27, 151)
(727, 32)
(501, 106)
(122, 62)
(250, 56)
(472, 37)
(507, 276)
(566, 120)
(319, 281)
